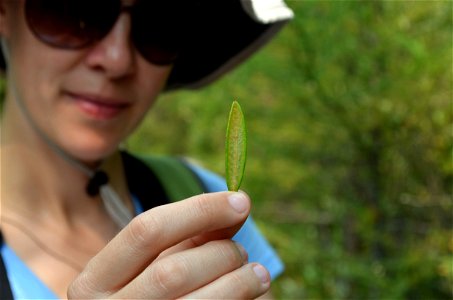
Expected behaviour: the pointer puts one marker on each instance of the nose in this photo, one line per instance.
(114, 54)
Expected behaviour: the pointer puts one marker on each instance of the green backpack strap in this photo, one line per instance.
(177, 179)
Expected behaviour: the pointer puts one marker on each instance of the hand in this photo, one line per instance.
(178, 250)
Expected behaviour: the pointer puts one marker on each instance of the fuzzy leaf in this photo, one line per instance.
(235, 148)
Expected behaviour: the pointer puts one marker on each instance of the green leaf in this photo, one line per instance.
(235, 148)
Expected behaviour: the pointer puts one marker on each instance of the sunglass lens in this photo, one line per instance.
(156, 48)
(158, 30)
(71, 23)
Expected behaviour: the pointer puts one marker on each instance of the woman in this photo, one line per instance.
(80, 76)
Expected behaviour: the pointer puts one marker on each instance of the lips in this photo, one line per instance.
(99, 107)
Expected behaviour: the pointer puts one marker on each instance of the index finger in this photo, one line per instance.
(150, 233)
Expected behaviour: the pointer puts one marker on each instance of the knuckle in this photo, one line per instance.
(73, 290)
(229, 253)
(241, 289)
(204, 207)
(143, 230)
(83, 288)
(170, 274)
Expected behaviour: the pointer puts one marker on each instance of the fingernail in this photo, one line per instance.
(238, 202)
(261, 273)
(242, 252)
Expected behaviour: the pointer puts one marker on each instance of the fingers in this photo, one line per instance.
(222, 234)
(247, 282)
(150, 233)
(183, 272)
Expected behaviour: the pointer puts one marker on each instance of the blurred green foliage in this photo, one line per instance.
(349, 114)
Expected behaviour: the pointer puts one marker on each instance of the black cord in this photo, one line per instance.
(98, 179)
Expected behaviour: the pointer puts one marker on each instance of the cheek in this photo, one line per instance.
(35, 72)
(37, 88)
(151, 78)
(150, 83)
(28, 82)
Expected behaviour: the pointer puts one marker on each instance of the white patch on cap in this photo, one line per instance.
(267, 11)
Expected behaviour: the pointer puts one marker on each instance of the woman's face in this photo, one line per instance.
(86, 101)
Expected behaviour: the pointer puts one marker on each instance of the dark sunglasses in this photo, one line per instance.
(158, 26)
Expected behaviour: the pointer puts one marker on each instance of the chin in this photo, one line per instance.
(90, 150)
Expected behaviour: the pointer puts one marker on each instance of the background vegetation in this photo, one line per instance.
(349, 113)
